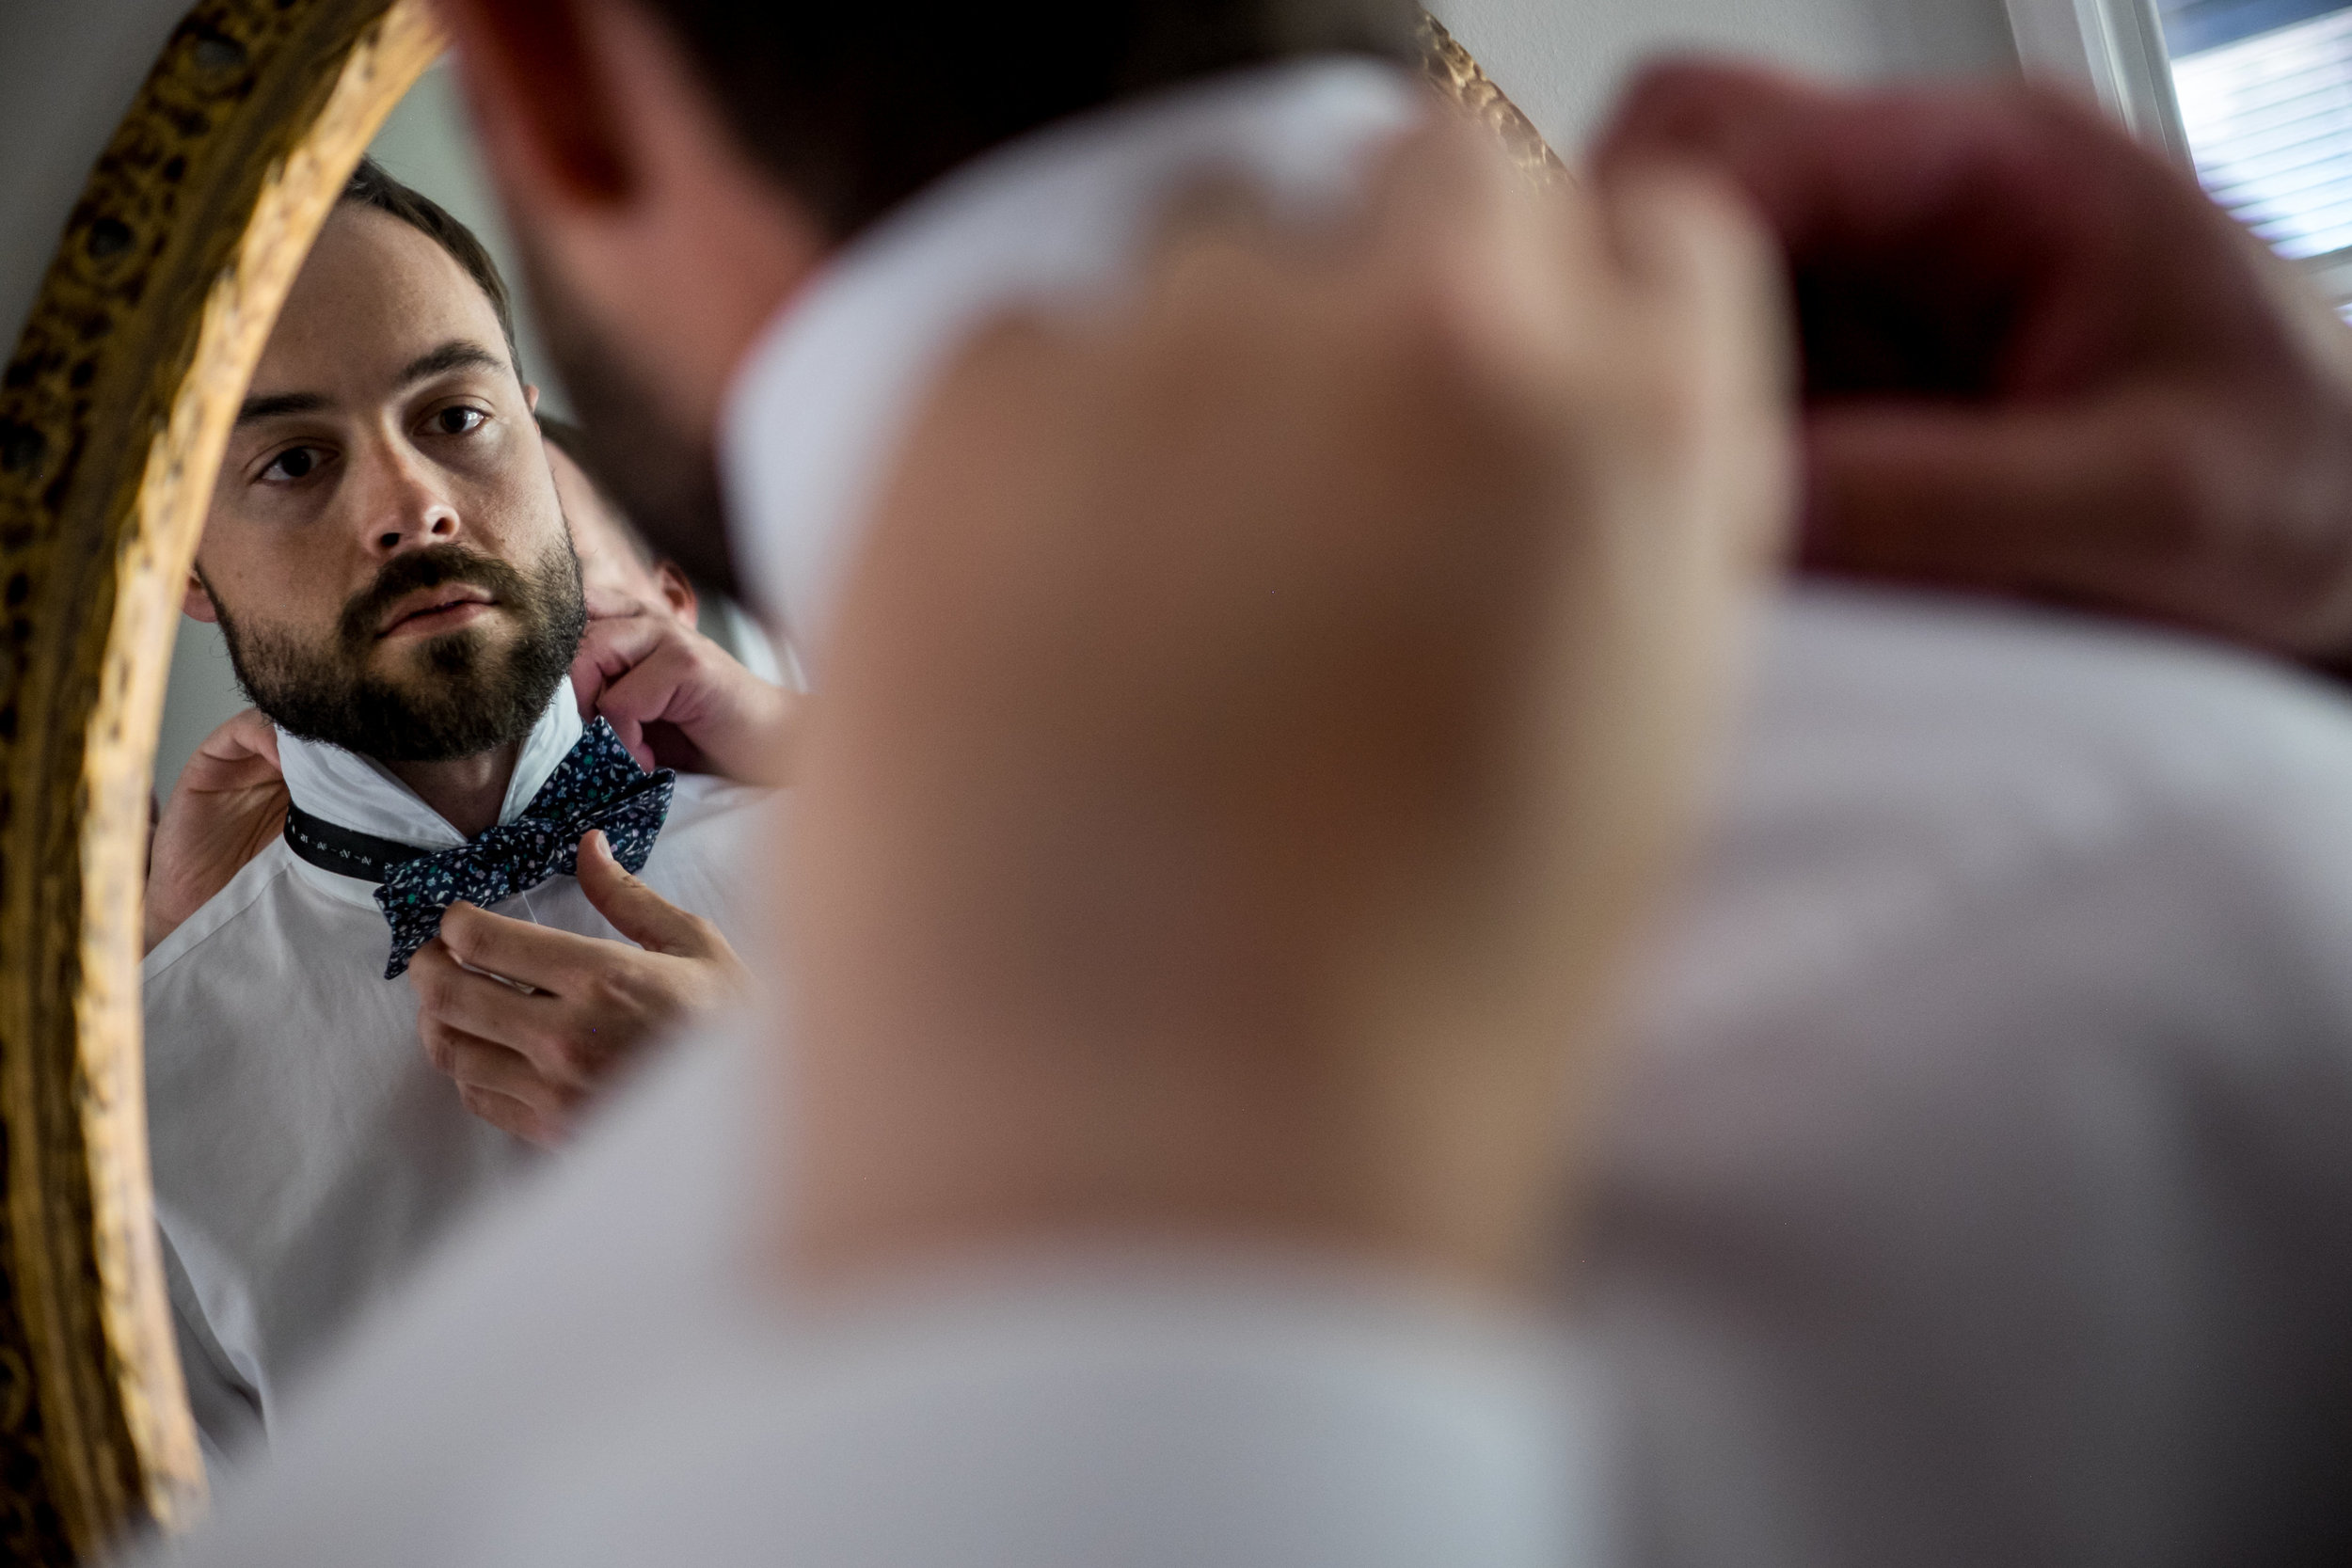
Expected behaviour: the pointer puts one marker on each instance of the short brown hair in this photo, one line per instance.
(854, 108)
(372, 187)
(573, 442)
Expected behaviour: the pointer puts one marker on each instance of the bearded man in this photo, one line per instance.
(388, 561)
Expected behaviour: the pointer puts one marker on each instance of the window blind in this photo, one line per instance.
(2268, 114)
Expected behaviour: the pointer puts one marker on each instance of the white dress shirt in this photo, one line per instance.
(1975, 1194)
(306, 1153)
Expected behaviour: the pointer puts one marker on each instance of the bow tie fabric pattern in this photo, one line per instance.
(598, 785)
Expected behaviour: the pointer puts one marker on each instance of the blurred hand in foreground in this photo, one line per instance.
(2037, 358)
(228, 803)
(1260, 715)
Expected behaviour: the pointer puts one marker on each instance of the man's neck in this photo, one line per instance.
(468, 791)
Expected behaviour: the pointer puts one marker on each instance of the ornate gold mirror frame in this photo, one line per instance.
(147, 329)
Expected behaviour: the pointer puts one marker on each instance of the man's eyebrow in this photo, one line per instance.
(283, 402)
(455, 355)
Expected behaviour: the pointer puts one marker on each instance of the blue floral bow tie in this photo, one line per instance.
(598, 785)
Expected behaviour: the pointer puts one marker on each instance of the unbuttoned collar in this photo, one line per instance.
(1055, 216)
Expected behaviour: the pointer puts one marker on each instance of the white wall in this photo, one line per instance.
(1563, 60)
(67, 71)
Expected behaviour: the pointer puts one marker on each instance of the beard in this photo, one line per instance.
(464, 693)
(666, 478)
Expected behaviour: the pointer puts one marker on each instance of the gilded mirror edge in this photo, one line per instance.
(159, 299)
(1451, 70)
(151, 567)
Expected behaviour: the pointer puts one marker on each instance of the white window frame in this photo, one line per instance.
(2114, 51)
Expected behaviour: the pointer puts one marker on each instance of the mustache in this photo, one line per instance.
(426, 568)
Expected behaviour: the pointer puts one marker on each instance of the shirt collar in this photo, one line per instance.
(1054, 217)
(361, 793)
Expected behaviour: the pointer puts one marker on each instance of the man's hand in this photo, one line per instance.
(2037, 359)
(229, 801)
(678, 700)
(527, 1060)
(1260, 714)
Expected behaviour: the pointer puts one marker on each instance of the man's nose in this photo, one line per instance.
(403, 508)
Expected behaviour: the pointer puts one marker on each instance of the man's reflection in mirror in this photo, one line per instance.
(486, 899)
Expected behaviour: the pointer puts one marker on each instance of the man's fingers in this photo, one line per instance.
(2021, 502)
(1684, 234)
(614, 643)
(638, 913)
(621, 673)
(486, 1064)
(631, 732)
(1821, 166)
(538, 956)
(511, 1115)
(1520, 273)
(500, 1086)
(612, 604)
(453, 997)
(609, 650)
(241, 753)
(1769, 134)
(247, 735)
(1695, 248)
(650, 691)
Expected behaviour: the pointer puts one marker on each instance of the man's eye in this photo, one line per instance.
(459, 421)
(293, 463)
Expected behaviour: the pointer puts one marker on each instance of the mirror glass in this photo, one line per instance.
(401, 560)
(426, 144)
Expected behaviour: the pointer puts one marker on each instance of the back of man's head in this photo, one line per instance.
(854, 106)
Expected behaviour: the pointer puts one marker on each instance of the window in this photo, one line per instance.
(2256, 93)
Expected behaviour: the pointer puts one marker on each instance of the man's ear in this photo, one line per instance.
(531, 397)
(677, 592)
(198, 601)
(538, 99)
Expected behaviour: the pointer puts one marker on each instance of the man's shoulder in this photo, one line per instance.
(1918, 773)
(222, 916)
(1922, 710)
(1899, 655)
(2007, 1014)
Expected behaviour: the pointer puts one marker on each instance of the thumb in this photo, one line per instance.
(259, 736)
(638, 913)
